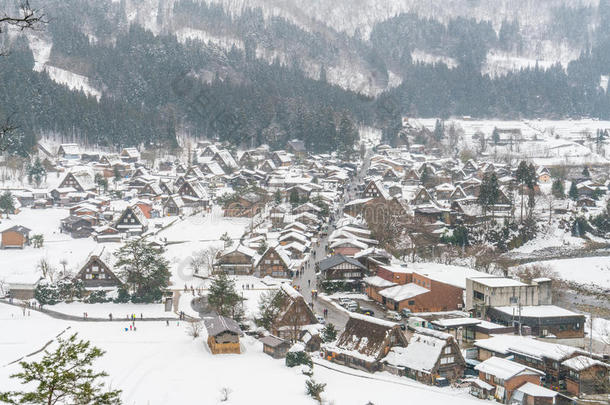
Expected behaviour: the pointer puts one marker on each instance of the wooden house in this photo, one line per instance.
(586, 376)
(274, 346)
(339, 267)
(174, 206)
(97, 272)
(375, 190)
(223, 335)
(236, 260)
(293, 315)
(77, 226)
(130, 155)
(247, 205)
(80, 179)
(69, 151)
(274, 262)
(132, 220)
(429, 355)
(15, 237)
(297, 148)
(364, 343)
(506, 376)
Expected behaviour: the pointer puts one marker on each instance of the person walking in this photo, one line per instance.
(110, 317)
(167, 322)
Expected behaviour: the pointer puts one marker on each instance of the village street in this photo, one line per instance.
(308, 281)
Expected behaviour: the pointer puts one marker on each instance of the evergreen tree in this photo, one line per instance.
(348, 135)
(573, 193)
(522, 179)
(439, 130)
(557, 189)
(294, 197)
(63, 376)
(495, 136)
(586, 173)
(223, 297)
(36, 172)
(7, 204)
(228, 242)
(144, 269)
(329, 333)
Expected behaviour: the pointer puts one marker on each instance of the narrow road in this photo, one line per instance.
(308, 281)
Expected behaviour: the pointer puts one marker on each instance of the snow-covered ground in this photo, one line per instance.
(21, 265)
(72, 80)
(159, 364)
(118, 311)
(544, 142)
(224, 42)
(41, 49)
(583, 270)
(422, 56)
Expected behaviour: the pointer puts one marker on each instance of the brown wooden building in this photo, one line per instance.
(365, 342)
(274, 262)
(223, 335)
(15, 237)
(293, 315)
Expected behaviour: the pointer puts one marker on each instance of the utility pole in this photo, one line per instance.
(591, 333)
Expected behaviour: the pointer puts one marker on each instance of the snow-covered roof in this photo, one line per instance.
(403, 292)
(537, 390)
(581, 362)
(453, 322)
(537, 311)
(494, 282)
(504, 368)
(377, 281)
(528, 346)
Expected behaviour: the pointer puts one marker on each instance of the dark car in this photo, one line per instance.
(368, 312)
(441, 382)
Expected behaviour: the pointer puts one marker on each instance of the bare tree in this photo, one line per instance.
(47, 270)
(194, 329)
(224, 394)
(64, 263)
(203, 260)
(28, 18)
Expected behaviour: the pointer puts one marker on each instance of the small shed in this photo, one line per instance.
(223, 335)
(15, 237)
(275, 346)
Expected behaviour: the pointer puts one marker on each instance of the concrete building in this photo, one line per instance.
(482, 293)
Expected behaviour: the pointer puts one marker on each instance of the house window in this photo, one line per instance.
(276, 262)
(448, 350)
(267, 261)
(447, 360)
(411, 302)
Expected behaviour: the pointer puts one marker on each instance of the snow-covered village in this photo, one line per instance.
(216, 202)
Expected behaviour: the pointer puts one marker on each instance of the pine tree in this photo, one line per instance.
(7, 204)
(223, 297)
(522, 176)
(329, 333)
(573, 193)
(36, 172)
(586, 173)
(439, 130)
(144, 269)
(495, 136)
(63, 376)
(557, 189)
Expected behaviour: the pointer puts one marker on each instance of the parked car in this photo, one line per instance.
(344, 301)
(367, 312)
(406, 312)
(393, 316)
(321, 319)
(352, 306)
(441, 382)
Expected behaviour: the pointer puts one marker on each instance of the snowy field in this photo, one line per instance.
(158, 364)
(545, 142)
(583, 270)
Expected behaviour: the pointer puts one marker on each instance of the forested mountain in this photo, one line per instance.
(249, 75)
